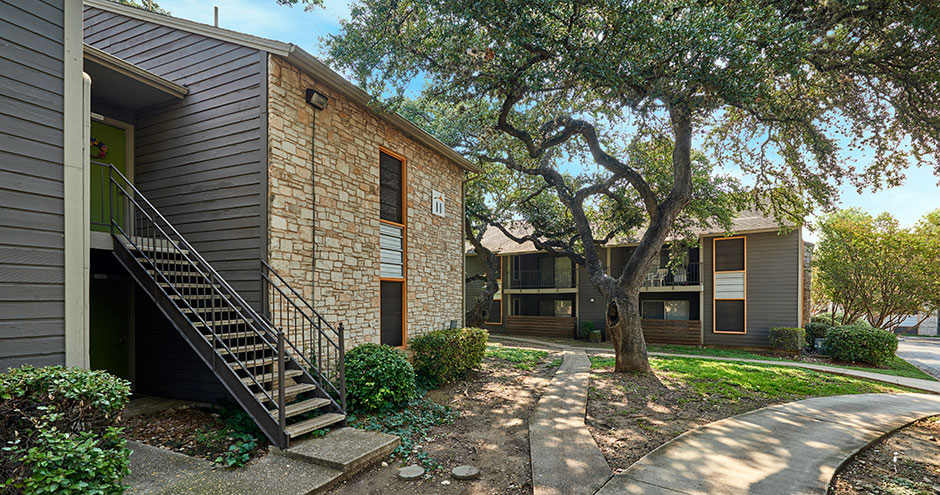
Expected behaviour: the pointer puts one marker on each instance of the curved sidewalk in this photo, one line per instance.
(792, 448)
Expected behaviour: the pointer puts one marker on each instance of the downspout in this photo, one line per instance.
(318, 100)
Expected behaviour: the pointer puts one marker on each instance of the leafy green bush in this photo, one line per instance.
(861, 343)
(816, 330)
(585, 329)
(444, 356)
(787, 339)
(378, 378)
(57, 432)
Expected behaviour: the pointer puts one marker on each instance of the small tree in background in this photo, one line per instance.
(871, 268)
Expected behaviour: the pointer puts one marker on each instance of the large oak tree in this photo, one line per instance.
(782, 90)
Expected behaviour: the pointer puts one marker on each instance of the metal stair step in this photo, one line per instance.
(243, 348)
(199, 296)
(305, 406)
(253, 363)
(231, 335)
(186, 285)
(202, 310)
(270, 377)
(236, 321)
(290, 391)
(168, 273)
(163, 261)
(324, 420)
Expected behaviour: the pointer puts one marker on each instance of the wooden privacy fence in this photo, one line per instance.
(541, 326)
(678, 332)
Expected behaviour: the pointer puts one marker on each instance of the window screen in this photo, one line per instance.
(729, 316)
(654, 310)
(729, 255)
(391, 313)
(390, 197)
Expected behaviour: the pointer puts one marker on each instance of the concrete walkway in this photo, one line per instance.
(921, 352)
(792, 448)
(913, 383)
(565, 458)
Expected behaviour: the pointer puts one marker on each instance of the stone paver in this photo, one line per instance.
(412, 472)
(465, 473)
(791, 448)
(923, 353)
(914, 383)
(565, 458)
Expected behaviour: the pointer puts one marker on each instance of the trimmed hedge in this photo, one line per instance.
(861, 343)
(57, 432)
(815, 331)
(378, 378)
(787, 338)
(445, 356)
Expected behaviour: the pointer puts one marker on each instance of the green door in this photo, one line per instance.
(116, 154)
(109, 322)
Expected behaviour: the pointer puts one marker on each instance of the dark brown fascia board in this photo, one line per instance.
(134, 72)
(299, 57)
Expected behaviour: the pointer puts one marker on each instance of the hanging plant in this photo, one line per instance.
(102, 148)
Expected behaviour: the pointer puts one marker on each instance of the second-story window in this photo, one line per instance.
(393, 251)
(390, 188)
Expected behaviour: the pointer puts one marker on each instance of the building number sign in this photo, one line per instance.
(437, 204)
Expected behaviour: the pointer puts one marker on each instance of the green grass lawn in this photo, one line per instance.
(523, 359)
(895, 367)
(729, 381)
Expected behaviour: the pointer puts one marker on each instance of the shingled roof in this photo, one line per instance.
(745, 222)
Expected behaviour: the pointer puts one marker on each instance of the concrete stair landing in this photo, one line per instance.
(310, 466)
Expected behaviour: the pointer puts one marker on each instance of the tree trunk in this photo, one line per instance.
(624, 326)
(479, 313)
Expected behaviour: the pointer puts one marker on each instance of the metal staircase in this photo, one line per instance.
(284, 367)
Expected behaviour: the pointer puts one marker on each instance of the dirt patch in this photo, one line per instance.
(630, 415)
(906, 462)
(204, 432)
(491, 433)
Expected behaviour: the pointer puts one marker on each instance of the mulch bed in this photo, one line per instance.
(906, 462)
(194, 431)
(491, 433)
(630, 415)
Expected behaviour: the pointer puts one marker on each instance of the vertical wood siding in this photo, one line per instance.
(200, 161)
(32, 259)
(595, 312)
(773, 288)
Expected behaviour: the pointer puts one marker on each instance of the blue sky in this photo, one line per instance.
(918, 195)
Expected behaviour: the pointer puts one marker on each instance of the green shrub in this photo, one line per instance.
(787, 339)
(378, 378)
(861, 343)
(444, 356)
(816, 330)
(830, 319)
(57, 432)
(585, 329)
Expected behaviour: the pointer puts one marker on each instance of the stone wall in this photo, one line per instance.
(345, 285)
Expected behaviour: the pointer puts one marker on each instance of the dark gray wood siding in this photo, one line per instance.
(594, 312)
(32, 259)
(773, 288)
(200, 161)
